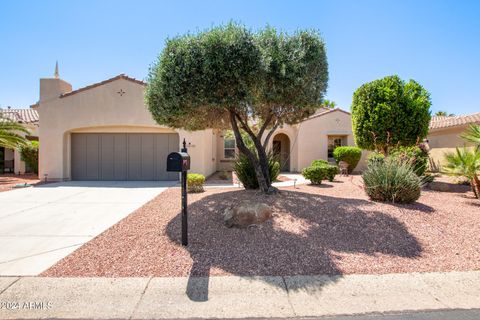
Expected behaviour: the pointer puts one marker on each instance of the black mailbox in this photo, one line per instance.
(178, 162)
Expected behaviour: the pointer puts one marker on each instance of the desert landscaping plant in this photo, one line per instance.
(472, 134)
(417, 156)
(390, 112)
(231, 78)
(195, 182)
(374, 157)
(320, 170)
(465, 162)
(9, 134)
(392, 180)
(29, 154)
(350, 155)
(246, 172)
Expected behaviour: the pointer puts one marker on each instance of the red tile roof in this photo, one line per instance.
(440, 122)
(120, 76)
(20, 115)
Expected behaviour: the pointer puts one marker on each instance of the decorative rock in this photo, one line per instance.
(245, 214)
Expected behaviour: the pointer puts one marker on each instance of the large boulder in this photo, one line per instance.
(244, 214)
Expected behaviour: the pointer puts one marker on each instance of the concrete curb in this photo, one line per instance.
(235, 297)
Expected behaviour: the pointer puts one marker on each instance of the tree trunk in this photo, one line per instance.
(259, 161)
(476, 186)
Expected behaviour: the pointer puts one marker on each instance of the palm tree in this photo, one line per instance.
(465, 162)
(9, 134)
(472, 135)
(443, 114)
(329, 104)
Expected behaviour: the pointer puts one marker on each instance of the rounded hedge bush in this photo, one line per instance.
(320, 170)
(195, 182)
(246, 172)
(390, 112)
(319, 162)
(350, 155)
(392, 180)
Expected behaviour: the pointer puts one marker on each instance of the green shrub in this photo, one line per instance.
(195, 182)
(375, 157)
(389, 112)
(330, 170)
(392, 180)
(415, 155)
(320, 170)
(319, 162)
(350, 155)
(246, 172)
(29, 154)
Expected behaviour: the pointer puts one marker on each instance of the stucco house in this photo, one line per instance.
(10, 159)
(105, 132)
(444, 136)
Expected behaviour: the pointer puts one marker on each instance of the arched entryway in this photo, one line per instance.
(281, 148)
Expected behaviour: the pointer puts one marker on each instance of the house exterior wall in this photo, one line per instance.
(309, 139)
(222, 163)
(441, 141)
(103, 109)
(292, 133)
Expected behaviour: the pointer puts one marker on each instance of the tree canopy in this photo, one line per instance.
(390, 112)
(231, 77)
(443, 114)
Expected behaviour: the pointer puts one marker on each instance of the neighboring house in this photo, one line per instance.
(105, 132)
(10, 159)
(444, 136)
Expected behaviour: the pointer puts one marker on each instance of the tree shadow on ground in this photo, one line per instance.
(301, 239)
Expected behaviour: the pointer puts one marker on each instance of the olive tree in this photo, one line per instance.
(390, 112)
(228, 77)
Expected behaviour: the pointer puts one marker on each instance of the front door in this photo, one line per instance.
(280, 150)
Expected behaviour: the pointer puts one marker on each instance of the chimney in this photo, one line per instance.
(51, 88)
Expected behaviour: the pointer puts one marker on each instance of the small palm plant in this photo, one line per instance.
(472, 135)
(9, 134)
(465, 162)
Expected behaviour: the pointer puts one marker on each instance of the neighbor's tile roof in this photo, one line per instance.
(20, 115)
(446, 122)
(120, 76)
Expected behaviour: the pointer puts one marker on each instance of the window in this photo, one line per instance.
(229, 148)
(333, 142)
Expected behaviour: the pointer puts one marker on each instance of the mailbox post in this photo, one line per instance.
(180, 162)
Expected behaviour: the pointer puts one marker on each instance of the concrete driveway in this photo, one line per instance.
(41, 225)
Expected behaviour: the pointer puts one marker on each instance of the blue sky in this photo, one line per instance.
(437, 43)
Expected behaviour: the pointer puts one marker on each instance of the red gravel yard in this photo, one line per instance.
(328, 229)
(8, 181)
